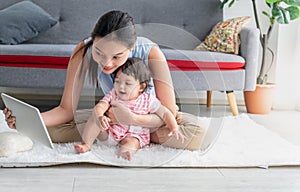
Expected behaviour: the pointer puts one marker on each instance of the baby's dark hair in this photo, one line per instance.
(136, 68)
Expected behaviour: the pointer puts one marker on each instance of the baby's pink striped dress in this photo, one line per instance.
(146, 103)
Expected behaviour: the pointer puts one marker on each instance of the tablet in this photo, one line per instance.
(29, 120)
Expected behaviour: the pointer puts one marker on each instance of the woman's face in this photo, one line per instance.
(109, 54)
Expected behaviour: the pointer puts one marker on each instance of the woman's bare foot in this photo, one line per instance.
(82, 148)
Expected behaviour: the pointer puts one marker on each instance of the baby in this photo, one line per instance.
(130, 82)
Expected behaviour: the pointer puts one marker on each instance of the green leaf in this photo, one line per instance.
(292, 2)
(224, 2)
(283, 13)
(273, 1)
(276, 11)
(278, 14)
(294, 12)
(267, 14)
(272, 19)
(231, 3)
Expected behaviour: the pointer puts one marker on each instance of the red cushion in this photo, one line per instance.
(34, 61)
(185, 65)
(62, 63)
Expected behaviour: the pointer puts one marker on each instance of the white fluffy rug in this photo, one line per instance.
(241, 143)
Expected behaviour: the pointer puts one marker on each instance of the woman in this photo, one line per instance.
(112, 41)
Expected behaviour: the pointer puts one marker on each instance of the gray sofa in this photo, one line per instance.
(176, 26)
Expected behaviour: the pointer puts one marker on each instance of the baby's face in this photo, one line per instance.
(127, 87)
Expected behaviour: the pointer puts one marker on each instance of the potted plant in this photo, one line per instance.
(282, 12)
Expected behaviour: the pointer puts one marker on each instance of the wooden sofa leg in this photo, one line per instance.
(232, 103)
(208, 99)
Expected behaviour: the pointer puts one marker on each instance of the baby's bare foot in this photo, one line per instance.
(82, 148)
(125, 153)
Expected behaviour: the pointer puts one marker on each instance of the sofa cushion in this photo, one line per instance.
(23, 21)
(55, 56)
(29, 61)
(184, 60)
(224, 37)
(189, 60)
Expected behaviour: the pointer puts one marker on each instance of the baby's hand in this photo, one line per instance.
(177, 134)
(104, 122)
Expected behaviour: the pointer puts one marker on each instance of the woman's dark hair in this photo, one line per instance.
(116, 25)
(136, 68)
(113, 25)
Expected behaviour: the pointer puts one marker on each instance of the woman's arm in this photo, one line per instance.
(168, 118)
(71, 94)
(170, 121)
(119, 113)
(162, 79)
(163, 87)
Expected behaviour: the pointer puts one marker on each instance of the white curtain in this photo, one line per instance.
(287, 94)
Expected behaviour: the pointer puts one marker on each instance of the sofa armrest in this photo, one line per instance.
(249, 50)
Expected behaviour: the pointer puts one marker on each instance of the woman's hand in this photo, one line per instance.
(119, 113)
(10, 120)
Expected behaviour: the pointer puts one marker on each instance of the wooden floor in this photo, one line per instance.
(95, 178)
(89, 178)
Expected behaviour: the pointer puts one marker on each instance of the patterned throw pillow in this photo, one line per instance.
(224, 37)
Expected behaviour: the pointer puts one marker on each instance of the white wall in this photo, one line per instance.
(288, 67)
